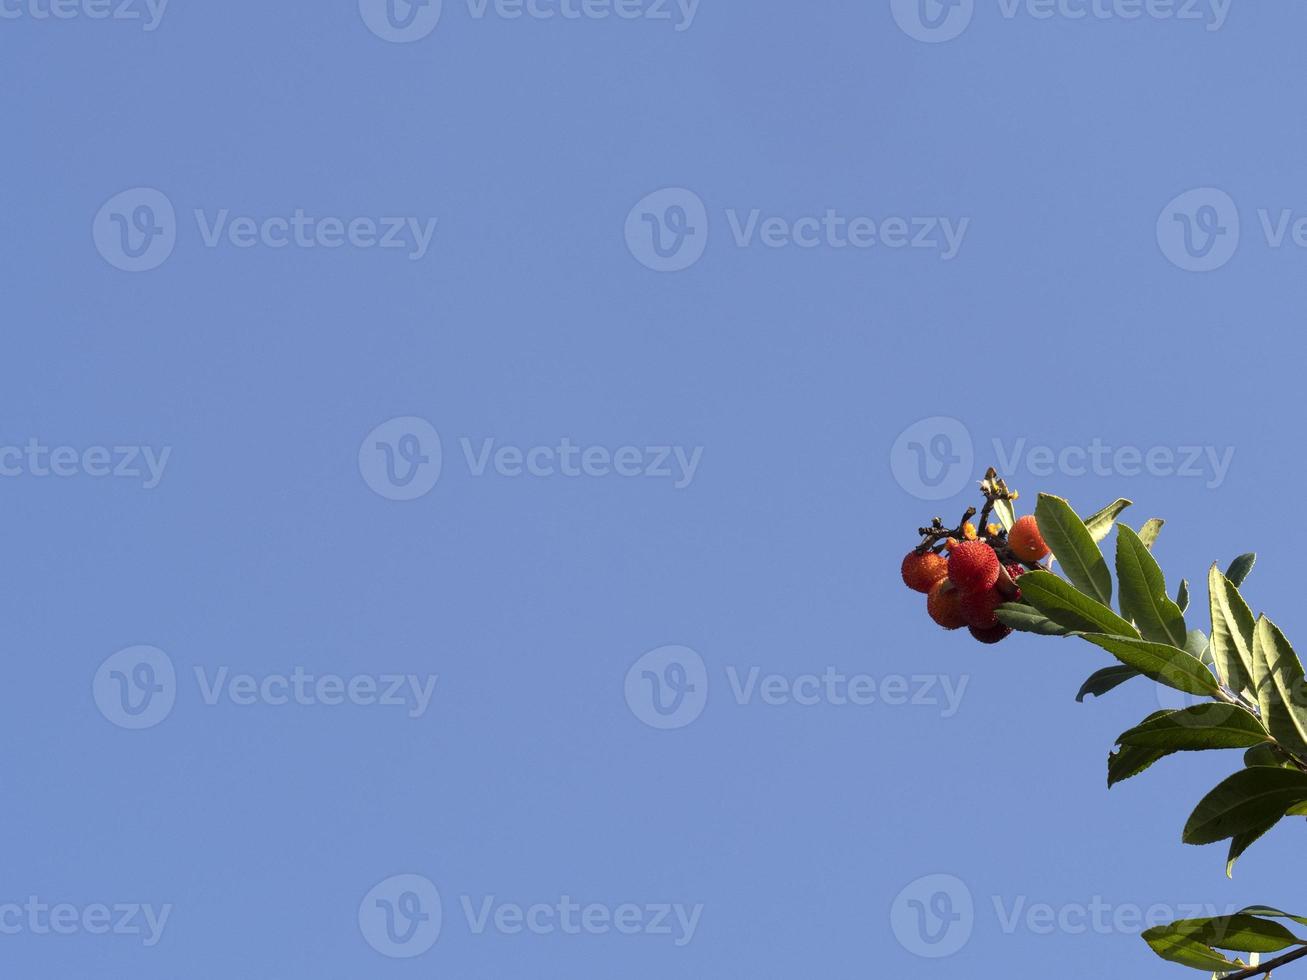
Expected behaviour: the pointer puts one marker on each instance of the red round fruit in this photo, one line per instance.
(1025, 540)
(944, 604)
(921, 572)
(973, 566)
(995, 634)
(979, 609)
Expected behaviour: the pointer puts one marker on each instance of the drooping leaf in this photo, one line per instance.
(1068, 606)
(1182, 595)
(1240, 933)
(1143, 591)
(1281, 689)
(1164, 664)
(1242, 841)
(1244, 802)
(1100, 524)
(1232, 632)
(1203, 726)
(1240, 567)
(1130, 760)
(1187, 952)
(1074, 547)
(1028, 619)
(1102, 681)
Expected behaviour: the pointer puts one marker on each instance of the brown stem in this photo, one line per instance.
(1268, 966)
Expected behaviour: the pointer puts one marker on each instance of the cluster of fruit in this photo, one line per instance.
(977, 576)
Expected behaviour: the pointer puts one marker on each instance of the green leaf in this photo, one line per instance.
(1197, 645)
(1240, 567)
(1266, 912)
(1074, 547)
(1068, 606)
(1244, 802)
(1149, 532)
(1164, 664)
(1265, 755)
(1102, 681)
(1203, 726)
(1187, 952)
(1143, 591)
(1028, 619)
(1182, 595)
(1242, 841)
(1281, 689)
(1232, 632)
(1100, 524)
(1240, 932)
(1130, 760)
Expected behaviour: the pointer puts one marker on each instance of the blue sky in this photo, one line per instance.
(457, 460)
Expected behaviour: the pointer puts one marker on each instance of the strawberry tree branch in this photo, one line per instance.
(1264, 969)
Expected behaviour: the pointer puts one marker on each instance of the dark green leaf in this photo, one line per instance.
(1074, 547)
(1182, 595)
(1143, 591)
(1240, 567)
(1266, 912)
(1130, 760)
(1265, 755)
(1203, 726)
(1242, 841)
(1100, 524)
(1028, 619)
(1068, 606)
(1197, 645)
(1244, 802)
(1102, 681)
(1164, 664)
(1232, 632)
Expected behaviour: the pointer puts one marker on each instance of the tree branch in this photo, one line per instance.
(1268, 966)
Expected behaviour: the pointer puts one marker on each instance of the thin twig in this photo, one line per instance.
(1268, 966)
